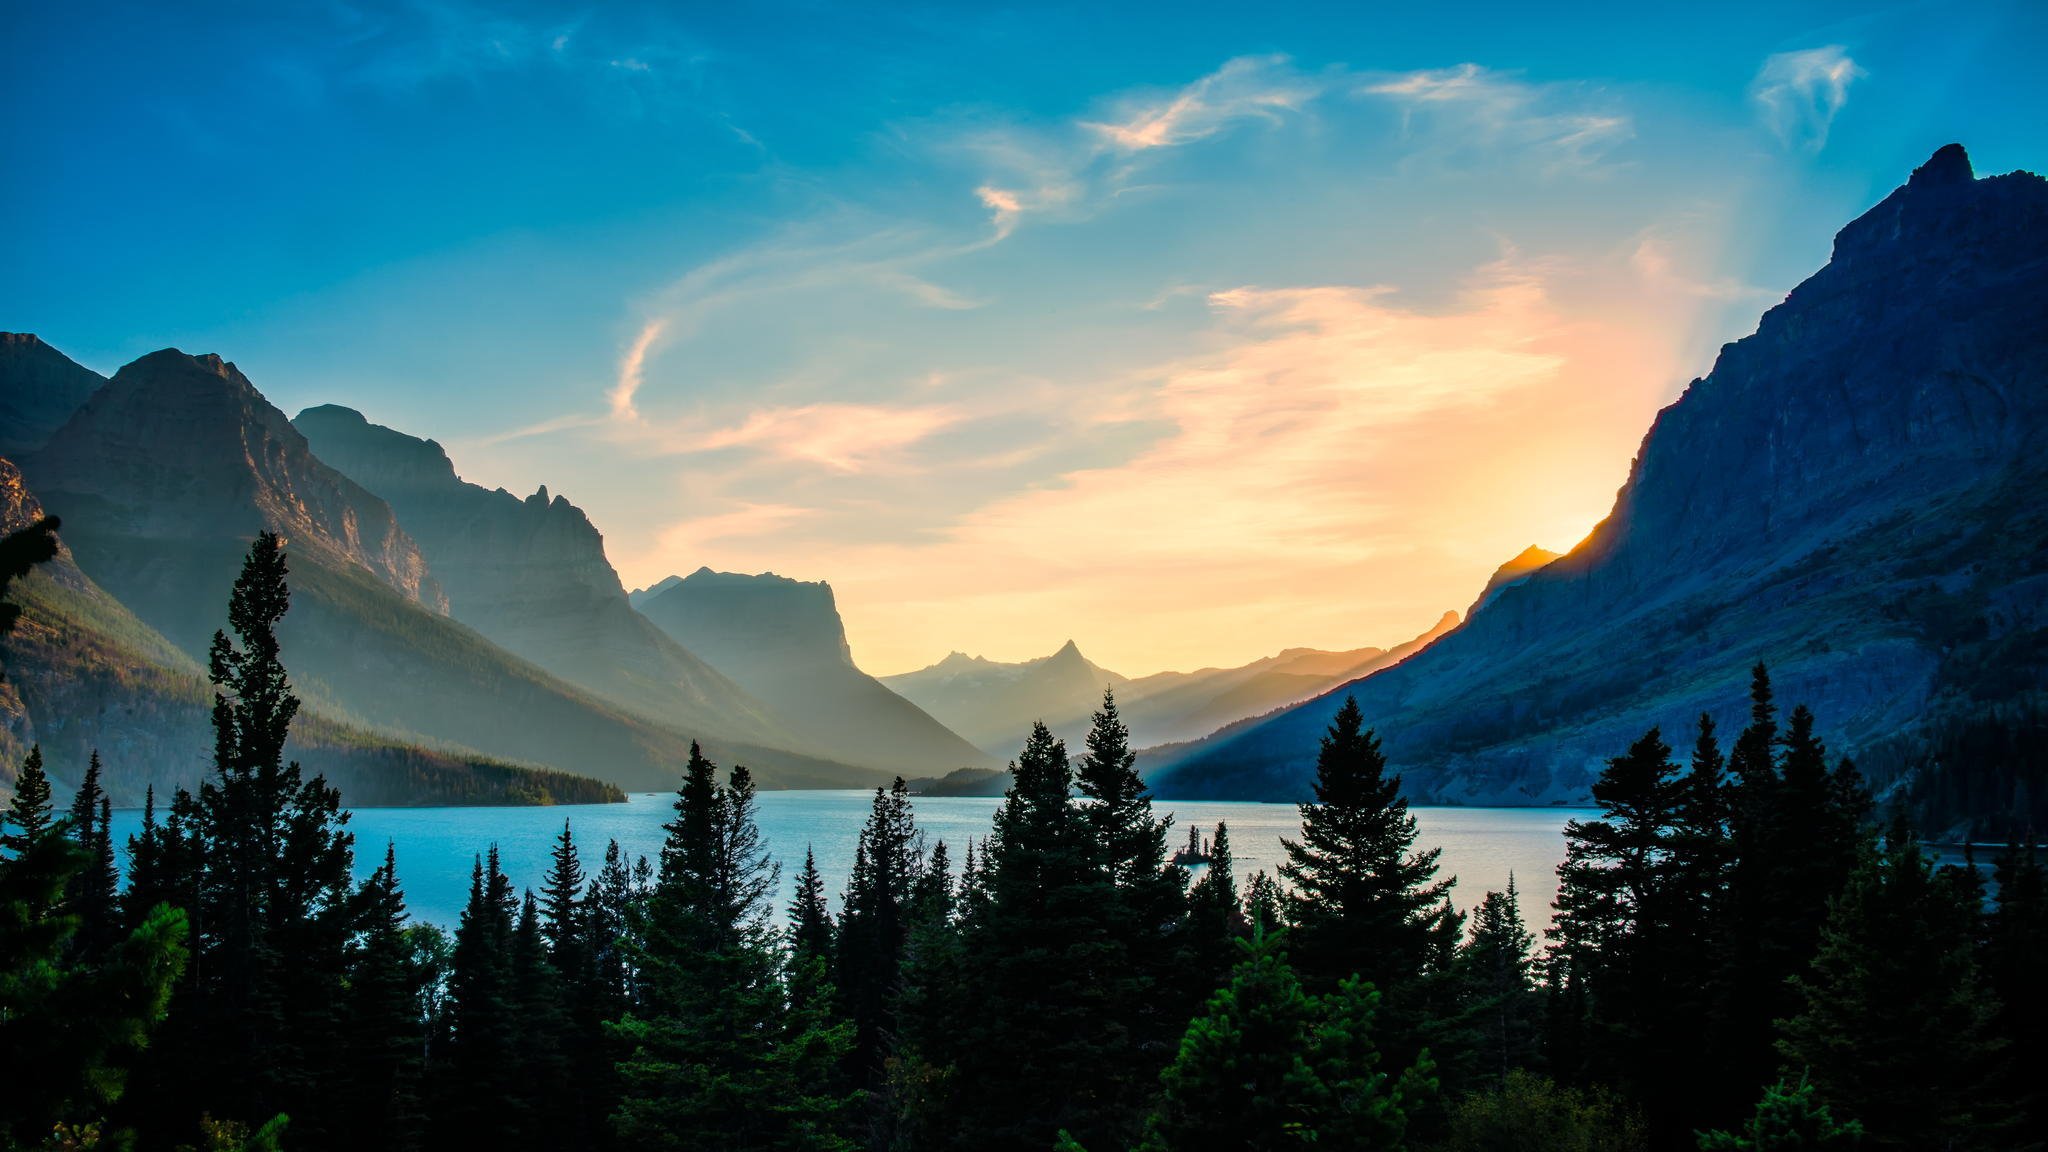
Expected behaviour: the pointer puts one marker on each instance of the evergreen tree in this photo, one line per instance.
(1361, 901)
(1023, 1065)
(265, 866)
(875, 926)
(545, 1078)
(94, 894)
(719, 1052)
(2016, 948)
(383, 1038)
(1895, 1028)
(810, 920)
(1499, 1006)
(29, 812)
(611, 913)
(1265, 905)
(1529, 1113)
(477, 1101)
(1216, 920)
(1269, 1066)
(1789, 1118)
(71, 1028)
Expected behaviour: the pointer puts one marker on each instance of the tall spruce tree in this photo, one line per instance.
(265, 865)
(810, 918)
(1216, 920)
(476, 1097)
(383, 1036)
(1896, 1026)
(2015, 951)
(94, 894)
(1361, 900)
(1499, 1008)
(719, 1053)
(29, 814)
(875, 926)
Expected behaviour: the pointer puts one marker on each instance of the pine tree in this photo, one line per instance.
(719, 1052)
(1216, 920)
(545, 1078)
(476, 1094)
(875, 926)
(1895, 1028)
(264, 864)
(29, 813)
(94, 894)
(1361, 901)
(382, 1035)
(2016, 947)
(1495, 970)
(1789, 1118)
(1023, 1065)
(810, 920)
(1265, 905)
(1139, 946)
(1269, 1066)
(611, 900)
(929, 1009)
(71, 1028)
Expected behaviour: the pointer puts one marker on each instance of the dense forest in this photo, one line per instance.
(1747, 955)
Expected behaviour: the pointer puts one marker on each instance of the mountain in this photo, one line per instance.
(783, 641)
(1852, 495)
(994, 704)
(44, 388)
(531, 575)
(639, 596)
(1171, 707)
(80, 673)
(167, 471)
(1513, 572)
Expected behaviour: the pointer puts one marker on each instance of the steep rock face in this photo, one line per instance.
(82, 674)
(531, 575)
(168, 471)
(183, 452)
(994, 704)
(784, 642)
(40, 388)
(1852, 496)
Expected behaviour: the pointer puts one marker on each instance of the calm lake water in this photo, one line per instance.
(436, 846)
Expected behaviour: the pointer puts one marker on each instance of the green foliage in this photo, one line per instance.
(1895, 1026)
(1789, 1118)
(1528, 1113)
(29, 812)
(1269, 1066)
(1361, 900)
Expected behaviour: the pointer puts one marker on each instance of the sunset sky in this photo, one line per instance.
(1187, 332)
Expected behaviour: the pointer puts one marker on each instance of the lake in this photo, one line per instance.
(436, 846)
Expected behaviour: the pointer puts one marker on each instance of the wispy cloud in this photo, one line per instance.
(1247, 88)
(631, 368)
(1799, 94)
(1474, 112)
(841, 437)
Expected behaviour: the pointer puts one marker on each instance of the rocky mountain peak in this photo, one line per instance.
(40, 388)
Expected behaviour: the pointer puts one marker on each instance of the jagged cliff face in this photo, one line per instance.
(784, 642)
(40, 388)
(1852, 495)
(166, 473)
(529, 574)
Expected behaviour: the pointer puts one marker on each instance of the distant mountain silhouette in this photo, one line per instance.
(994, 704)
(167, 471)
(1513, 572)
(783, 641)
(1853, 495)
(44, 387)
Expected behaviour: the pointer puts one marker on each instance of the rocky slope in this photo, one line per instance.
(994, 704)
(1513, 572)
(80, 673)
(1853, 495)
(164, 475)
(783, 641)
(45, 387)
(531, 575)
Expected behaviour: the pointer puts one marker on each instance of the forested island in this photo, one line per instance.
(1747, 955)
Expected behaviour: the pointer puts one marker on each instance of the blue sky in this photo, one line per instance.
(1187, 331)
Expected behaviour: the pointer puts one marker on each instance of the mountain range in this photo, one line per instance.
(1853, 495)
